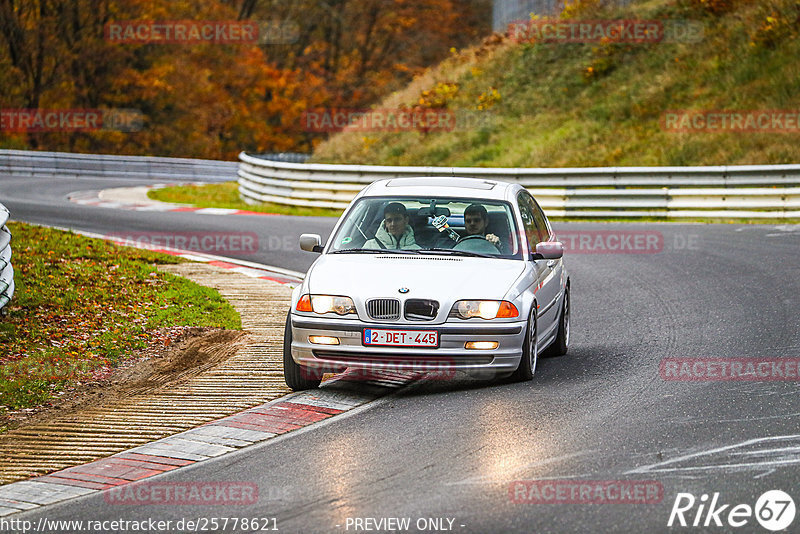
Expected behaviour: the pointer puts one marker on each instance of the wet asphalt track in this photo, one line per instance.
(452, 449)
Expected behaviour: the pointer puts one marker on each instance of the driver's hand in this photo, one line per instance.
(493, 239)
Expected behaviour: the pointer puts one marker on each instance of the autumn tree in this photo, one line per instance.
(213, 100)
(362, 48)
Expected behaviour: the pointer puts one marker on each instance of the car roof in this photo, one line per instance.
(442, 186)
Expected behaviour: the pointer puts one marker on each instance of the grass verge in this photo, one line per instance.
(562, 104)
(226, 195)
(81, 305)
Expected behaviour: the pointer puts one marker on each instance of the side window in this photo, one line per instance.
(533, 217)
(541, 222)
(528, 221)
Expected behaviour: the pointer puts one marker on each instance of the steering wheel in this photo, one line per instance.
(468, 237)
(471, 245)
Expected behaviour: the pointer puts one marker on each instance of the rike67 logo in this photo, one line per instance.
(774, 510)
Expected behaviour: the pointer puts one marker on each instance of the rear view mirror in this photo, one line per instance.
(310, 242)
(549, 250)
(433, 212)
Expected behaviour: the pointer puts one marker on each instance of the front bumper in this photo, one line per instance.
(450, 355)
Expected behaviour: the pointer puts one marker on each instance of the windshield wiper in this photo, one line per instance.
(458, 252)
(357, 251)
(374, 251)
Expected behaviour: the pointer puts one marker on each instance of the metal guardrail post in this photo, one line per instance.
(6, 269)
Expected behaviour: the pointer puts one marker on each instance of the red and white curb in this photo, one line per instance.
(247, 268)
(251, 269)
(211, 440)
(93, 198)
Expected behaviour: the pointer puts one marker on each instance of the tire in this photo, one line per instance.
(296, 376)
(561, 343)
(530, 353)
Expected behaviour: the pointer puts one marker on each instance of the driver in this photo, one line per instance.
(476, 218)
(394, 231)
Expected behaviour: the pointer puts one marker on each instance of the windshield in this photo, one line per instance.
(429, 225)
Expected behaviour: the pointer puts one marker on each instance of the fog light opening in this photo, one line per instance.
(481, 345)
(323, 340)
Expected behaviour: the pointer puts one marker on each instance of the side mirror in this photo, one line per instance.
(549, 250)
(310, 242)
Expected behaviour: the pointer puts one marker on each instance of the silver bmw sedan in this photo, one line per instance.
(431, 274)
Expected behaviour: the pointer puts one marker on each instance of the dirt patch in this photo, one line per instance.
(179, 354)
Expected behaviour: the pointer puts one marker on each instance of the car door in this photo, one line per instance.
(548, 272)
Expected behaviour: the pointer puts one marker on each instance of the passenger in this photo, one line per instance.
(476, 218)
(394, 231)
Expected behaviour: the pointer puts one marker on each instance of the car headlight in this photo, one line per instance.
(485, 309)
(322, 304)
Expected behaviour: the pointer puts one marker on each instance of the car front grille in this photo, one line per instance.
(383, 309)
(421, 309)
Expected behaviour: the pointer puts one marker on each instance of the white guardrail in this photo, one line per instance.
(752, 191)
(63, 164)
(6, 270)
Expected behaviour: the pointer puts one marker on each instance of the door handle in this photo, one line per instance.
(551, 263)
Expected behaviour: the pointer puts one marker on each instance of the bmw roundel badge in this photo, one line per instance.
(404, 290)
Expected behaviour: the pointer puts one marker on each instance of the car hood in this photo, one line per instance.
(444, 278)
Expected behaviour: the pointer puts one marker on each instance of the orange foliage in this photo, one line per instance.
(213, 100)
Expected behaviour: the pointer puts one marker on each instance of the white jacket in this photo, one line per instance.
(384, 240)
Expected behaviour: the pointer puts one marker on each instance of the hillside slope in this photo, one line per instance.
(557, 104)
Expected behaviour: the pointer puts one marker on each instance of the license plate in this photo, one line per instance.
(401, 338)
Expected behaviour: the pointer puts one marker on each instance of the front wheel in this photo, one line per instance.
(561, 343)
(530, 352)
(296, 376)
